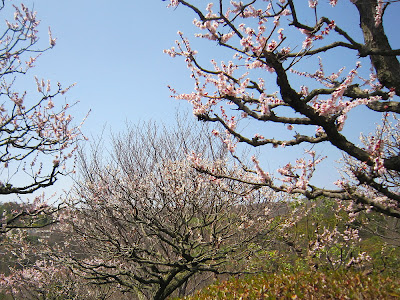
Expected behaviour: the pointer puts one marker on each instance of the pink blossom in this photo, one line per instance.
(379, 13)
(258, 136)
(264, 177)
(312, 3)
(215, 132)
(52, 40)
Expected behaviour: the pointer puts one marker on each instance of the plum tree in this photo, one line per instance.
(259, 84)
(145, 220)
(37, 136)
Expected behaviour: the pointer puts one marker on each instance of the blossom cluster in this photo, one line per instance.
(226, 93)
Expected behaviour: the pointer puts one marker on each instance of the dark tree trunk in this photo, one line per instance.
(386, 66)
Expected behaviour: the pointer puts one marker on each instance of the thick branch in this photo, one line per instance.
(387, 67)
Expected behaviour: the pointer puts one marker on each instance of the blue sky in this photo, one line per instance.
(113, 50)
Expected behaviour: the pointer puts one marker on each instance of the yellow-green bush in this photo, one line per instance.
(304, 285)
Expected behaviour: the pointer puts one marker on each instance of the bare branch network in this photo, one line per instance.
(147, 222)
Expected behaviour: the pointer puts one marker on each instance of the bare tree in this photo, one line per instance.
(234, 93)
(146, 221)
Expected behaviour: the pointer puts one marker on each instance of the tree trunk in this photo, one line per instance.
(386, 66)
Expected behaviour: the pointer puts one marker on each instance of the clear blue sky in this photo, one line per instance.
(113, 50)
